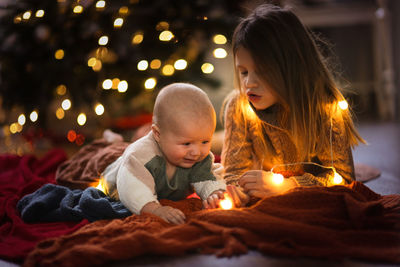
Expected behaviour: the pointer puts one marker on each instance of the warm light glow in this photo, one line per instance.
(123, 10)
(99, 109)
(180, 64)
(337, 178)
(66, 104)
(250, 112)
(343, 104)
(27, 15)
(78, 9)
(81, 119)
(103, 40)
(39, 13)
(277, 178)
(91, 62)
(219, 39)
(166, 36)
(220, 53)
(59, 54)
(61, 89)
(107, 84)
(101, 185)
(207, 68)
(142, 65)
(122, 86)
(118, 22)
(168, 70)
(97, 65)
(162, 25)
(21, 119)
(137, 38)
(100, 4)
(150, 83)
(15, 128)
(226, 203)
(17, 19)
(60, 113)
(115, 83)
(155, 64)
(34, 116)
(71, 136)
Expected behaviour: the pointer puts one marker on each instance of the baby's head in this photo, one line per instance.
(183, 124)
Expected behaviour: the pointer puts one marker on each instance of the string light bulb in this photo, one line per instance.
(81, 119)
(99, 109)
(66, 104)
(220, 53)
(103, 40)
(77, 9)
(39, 13)
(343, 104)
(226, 203)
(277, 178)
(101, 185)
(150, 83)
(207, 68)
(180, 64)
(166, 36)
(122, 86)
(21, 119)
(33, 116)
(219, 39)
(118, 22)
(100, 4)
(142, 65)
(337, 178)
(107, 84)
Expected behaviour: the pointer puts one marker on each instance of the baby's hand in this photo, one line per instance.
(213, 199)
(170, 214)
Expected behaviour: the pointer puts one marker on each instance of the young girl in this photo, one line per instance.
(285, 116)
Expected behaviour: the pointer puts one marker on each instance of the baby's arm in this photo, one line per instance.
(167, 213)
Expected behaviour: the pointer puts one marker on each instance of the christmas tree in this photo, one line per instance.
(84, 53)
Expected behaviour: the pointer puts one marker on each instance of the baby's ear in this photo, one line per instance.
(156, 132)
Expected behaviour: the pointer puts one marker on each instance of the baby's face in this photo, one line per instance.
(188, 144)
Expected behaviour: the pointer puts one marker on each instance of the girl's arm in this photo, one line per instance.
(237, 149)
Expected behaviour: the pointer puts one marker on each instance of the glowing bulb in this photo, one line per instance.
(123, 10)
(277, 178)
(60, 113)
(66, 104)
(97, 65)
(39, 13)
(226, 203)
(101, 185)
(162, 25)
(71, 135)
(343, 104)
(150, 83)
(21, 119)
(103, 40)
(155, 64)
(59, 54)
(122, 86)
(61, 89)
(166, 36)
(337, 178)
(115, 83)
(118, 22)
(220, 53)
(26, 15)
(168, 70)
(142, 65)
(100, 4)
(99, 109)
(91, 62)
(180, 64)
(219, 39)
(107, 84)
(137, 38)
(81, 119)
(78, 9)
(207, 68)
(34, 116)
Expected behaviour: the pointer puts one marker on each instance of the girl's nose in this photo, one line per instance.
(251, 81)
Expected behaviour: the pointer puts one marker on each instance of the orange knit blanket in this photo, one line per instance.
(324, 222)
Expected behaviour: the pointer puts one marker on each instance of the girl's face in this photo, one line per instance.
(185, 145)
(258, 92)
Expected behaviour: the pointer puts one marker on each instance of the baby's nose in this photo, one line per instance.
(195, 151)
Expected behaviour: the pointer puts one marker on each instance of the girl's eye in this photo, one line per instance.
(243, 73)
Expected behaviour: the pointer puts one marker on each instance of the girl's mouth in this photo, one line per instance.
(253, 97)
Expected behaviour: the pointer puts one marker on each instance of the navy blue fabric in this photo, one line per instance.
(52, 203)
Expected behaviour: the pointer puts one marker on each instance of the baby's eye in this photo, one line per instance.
(205, 142)
(186, 144)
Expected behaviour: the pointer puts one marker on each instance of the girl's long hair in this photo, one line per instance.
(286, 54)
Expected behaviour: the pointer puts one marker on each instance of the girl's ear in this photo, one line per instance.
(156, 132)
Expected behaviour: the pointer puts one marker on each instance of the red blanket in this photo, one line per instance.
(20, 176)
(334, 223)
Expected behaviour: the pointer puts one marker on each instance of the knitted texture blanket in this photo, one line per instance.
(55, 203)
(337, 222)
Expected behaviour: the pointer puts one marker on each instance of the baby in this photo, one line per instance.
(172, 159)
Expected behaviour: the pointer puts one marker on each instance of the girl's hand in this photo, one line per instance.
(258, 183)
(170, 214)
(237, 195)
(213, 199)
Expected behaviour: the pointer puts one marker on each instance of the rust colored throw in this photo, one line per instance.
(321, 222)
